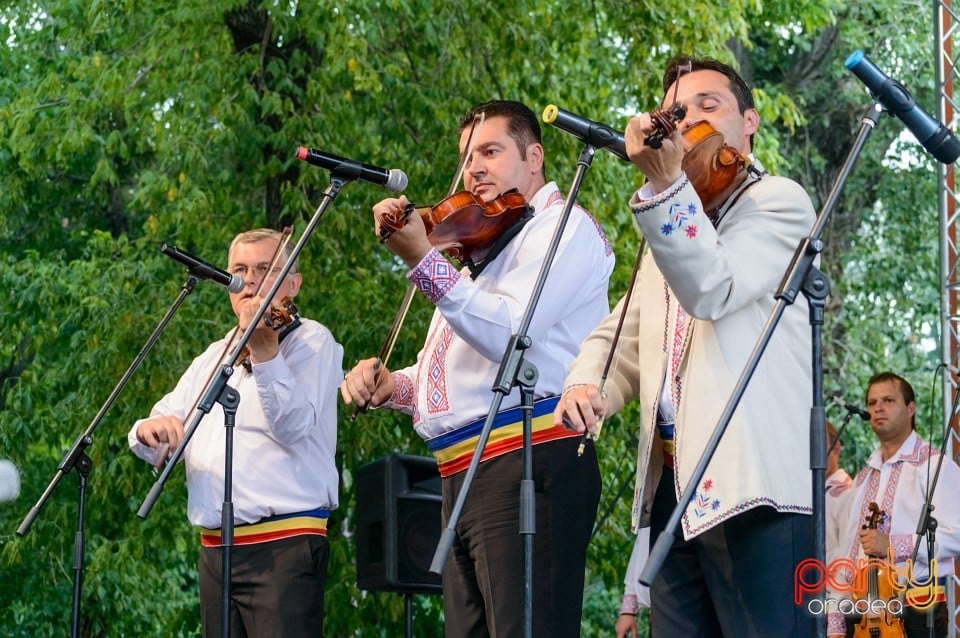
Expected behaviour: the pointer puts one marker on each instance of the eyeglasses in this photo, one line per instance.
(260, 270)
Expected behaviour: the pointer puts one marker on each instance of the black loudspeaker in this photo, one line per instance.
(398, 524)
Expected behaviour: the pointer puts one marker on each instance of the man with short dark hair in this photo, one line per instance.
(896, 480)
(448, 393)
(700, 302)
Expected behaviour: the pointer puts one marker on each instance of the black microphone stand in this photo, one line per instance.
(515, 370)
(927, 524)
(217, 391)
(843, 426)
(801, 276)
(76, 458)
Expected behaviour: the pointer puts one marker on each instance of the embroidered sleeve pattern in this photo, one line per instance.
(836, 623)
(434, 276)
(655, 201)
(402, 396)
(902, 546)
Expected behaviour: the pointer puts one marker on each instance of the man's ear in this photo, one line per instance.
(535, 158)
(294, 281)
(751, 122)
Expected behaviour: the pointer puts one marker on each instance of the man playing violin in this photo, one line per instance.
(448, 389)
(701, 298)
(896, 478)
(285, 480)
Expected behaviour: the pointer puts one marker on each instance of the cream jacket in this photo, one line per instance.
(725, 279)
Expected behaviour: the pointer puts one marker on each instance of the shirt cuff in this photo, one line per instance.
(434, 276)
(644, 199)
(402, 397)
(630, 604)
(836, 623)
(902, 545)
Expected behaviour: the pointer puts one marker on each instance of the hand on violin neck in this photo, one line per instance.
(662, 166)
(406, 236)
(875, 543)
(264, 343)
(410, 243)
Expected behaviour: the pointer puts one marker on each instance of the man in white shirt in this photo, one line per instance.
(285, 480)
(896, 479)
(447, 390)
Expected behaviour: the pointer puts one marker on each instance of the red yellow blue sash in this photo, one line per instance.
(273, 528)
(454, 450)
(920, 596)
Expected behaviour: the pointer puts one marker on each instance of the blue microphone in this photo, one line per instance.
(931, 134)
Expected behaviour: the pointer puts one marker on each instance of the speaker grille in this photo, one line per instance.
(398, 524)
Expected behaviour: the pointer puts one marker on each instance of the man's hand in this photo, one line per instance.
(663, 165)
(626, 626)
(158, 431)
(368, 384)
(264, 343)
(410, 242)
(581, 407)
(875, 543)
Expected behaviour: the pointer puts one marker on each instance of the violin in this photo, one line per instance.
(876, 585)
(462, 225)
(286, 315)
(715, 169)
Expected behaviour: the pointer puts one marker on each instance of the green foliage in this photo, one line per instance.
(126, 125)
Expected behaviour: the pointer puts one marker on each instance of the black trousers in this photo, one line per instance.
(734, 580)
(276, 589)
(483, 576)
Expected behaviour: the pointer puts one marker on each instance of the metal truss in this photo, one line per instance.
(946, 30)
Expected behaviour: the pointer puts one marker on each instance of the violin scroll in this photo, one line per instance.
(875, 518)
(278, 318)
(282, 315)
(664, 123)
(392, 222)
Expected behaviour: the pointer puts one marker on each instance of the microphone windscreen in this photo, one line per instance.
(397, 181)
(9, 481)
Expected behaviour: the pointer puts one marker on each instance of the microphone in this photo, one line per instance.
(931, 134)
(593, 133)
(204, 270)
(9, 481)
(393, 179)
(852, 409)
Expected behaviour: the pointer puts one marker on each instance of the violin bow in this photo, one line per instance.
(593, 436)
(664, 121)
(386, 349)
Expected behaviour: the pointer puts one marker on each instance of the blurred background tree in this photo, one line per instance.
(126, 125)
